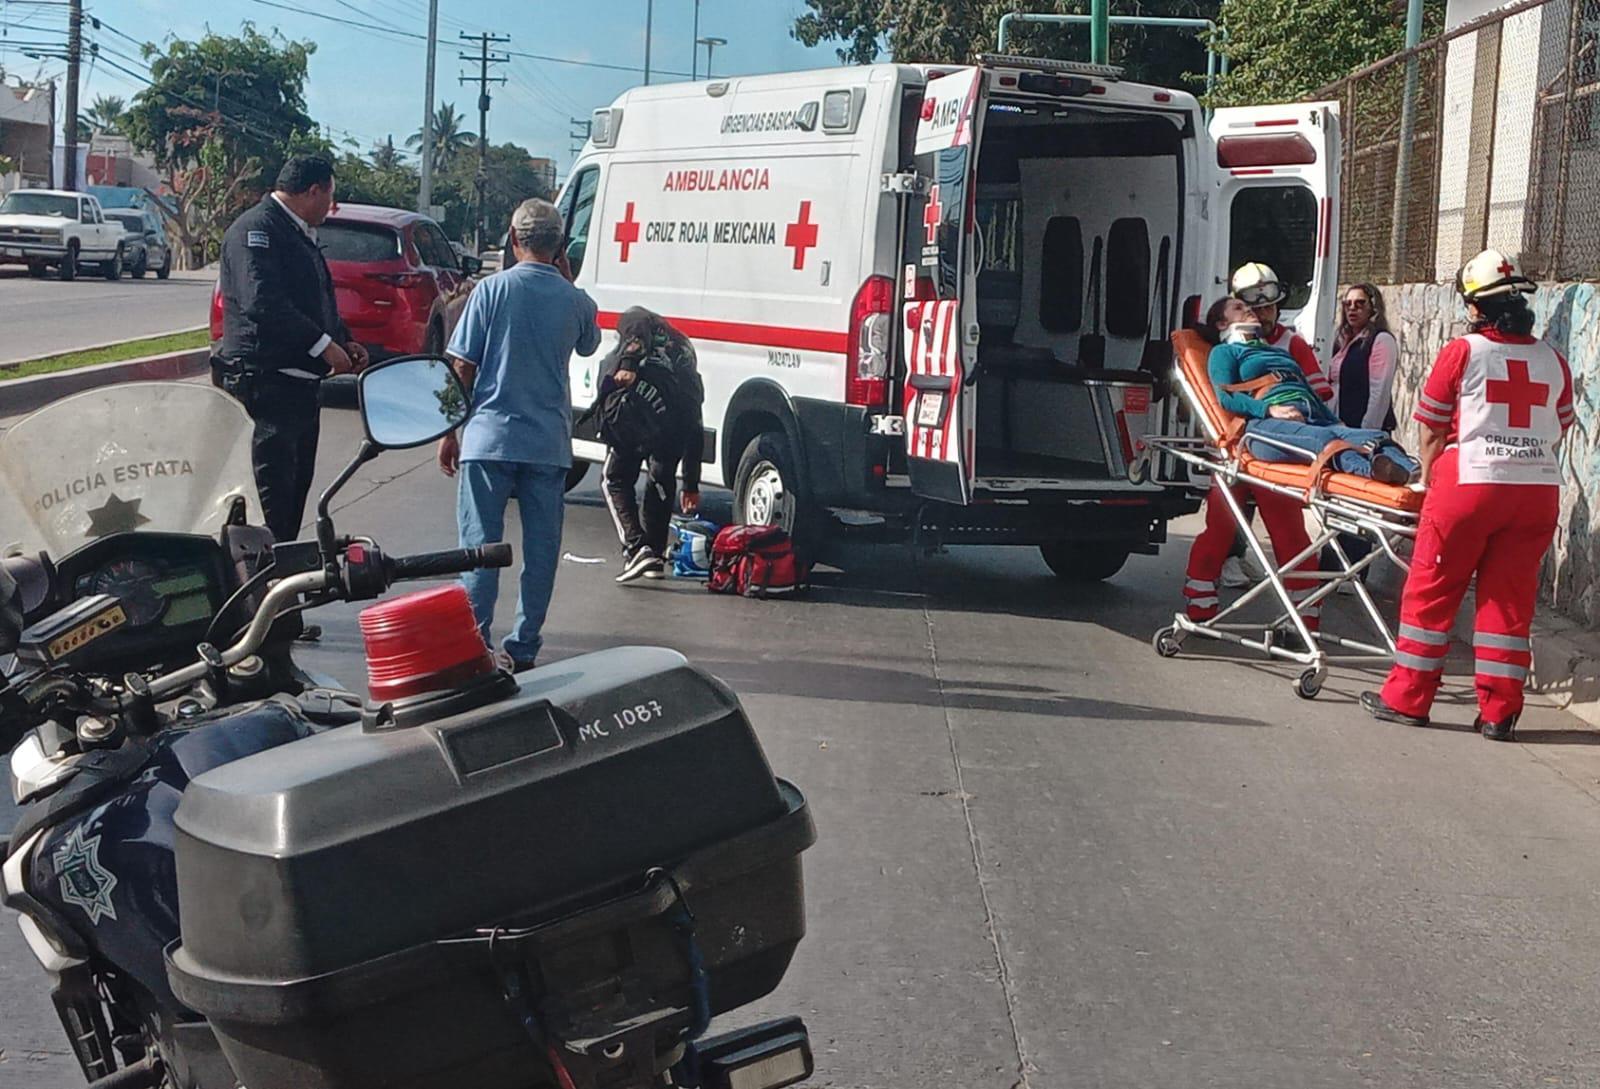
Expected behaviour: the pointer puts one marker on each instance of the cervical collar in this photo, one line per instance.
(1243, 332)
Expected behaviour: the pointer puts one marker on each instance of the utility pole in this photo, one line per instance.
(483, 79)
(649, 17)
(69, 141)
(694, 50)
(579, 134)
(425, 190)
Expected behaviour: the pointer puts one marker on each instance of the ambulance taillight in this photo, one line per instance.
(867, 353)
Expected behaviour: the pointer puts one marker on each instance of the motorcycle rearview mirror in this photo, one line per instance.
(405, 402)
(411, 401)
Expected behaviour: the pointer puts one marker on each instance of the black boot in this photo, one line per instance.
(1373, 704)
(1497, 731)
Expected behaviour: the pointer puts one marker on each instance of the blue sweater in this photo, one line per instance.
(1231, 364)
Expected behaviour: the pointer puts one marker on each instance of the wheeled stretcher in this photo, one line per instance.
(1341, 503)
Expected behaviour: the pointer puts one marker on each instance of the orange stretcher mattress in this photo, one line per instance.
(1192, 353)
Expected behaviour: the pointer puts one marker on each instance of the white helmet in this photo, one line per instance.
(1255, 284)
(1489, 274)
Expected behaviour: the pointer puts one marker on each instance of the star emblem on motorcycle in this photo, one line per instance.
(116, 515)
(84, 882)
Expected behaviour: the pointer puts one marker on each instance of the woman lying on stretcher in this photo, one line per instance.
(1266, 387)
(1289, 412)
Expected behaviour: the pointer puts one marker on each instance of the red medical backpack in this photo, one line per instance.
(754, 561)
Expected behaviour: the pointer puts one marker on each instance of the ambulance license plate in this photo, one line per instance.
(930, 408)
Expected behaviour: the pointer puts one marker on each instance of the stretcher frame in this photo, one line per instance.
(1210, 452)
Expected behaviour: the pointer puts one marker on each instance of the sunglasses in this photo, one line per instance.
(1356, 304)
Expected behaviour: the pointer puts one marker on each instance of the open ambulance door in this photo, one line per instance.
(1278, 202)
(939, 335)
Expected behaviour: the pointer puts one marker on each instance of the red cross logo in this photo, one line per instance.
(1506, 268)
(1518, 392)
(932, 215)
(627, 231)
(801, 235)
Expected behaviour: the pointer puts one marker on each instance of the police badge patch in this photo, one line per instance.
(257, 240)
(84, 882)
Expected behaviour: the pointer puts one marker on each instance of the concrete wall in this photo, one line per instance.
(1425, 316)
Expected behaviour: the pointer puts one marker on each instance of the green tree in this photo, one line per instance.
(1281, 54)
(450, 139)
(220, 116)
(106, 115)
(511, 175)
(939, 32)
(364, 181)
(386, 156)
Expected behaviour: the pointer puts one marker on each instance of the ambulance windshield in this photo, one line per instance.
(148, 456)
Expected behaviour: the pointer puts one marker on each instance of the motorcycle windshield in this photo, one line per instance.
(153, 456)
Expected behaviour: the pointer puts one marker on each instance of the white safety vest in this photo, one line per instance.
(1508, 420)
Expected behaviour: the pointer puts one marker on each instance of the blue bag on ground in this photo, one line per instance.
(690, 550)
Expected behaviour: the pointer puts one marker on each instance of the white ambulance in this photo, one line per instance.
(936, 300)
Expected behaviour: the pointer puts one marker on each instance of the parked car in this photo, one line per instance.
(146, 245)
(42, 228)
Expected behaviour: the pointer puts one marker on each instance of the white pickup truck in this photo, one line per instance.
(44, 228)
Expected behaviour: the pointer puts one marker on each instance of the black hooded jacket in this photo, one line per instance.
(642, 333)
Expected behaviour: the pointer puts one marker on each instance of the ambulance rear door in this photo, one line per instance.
(939, 340)
(1277, 201)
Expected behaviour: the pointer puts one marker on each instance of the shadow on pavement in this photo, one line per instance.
(855, 683)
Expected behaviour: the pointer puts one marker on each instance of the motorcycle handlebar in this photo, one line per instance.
(450, 562)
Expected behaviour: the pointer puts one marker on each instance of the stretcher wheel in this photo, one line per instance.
(1167, 642)
(1139, 470)
(1309, 683)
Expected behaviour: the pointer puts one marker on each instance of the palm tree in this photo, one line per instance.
(449, 139)
(386, 156)
(106, 115)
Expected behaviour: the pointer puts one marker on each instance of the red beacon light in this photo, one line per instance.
(423, 643)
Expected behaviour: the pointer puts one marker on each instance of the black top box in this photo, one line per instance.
(332, 890)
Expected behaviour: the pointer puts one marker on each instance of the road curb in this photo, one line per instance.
(13, 363)
(19, 395)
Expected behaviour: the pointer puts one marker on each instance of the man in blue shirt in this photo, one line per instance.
(511, 349)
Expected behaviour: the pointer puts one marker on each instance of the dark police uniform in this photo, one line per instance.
(278, 304)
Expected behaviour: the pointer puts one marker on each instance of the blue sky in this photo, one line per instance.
(368, 84)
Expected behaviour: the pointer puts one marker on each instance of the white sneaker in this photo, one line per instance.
(1233, 574)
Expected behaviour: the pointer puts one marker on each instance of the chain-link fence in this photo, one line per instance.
(1486, 136)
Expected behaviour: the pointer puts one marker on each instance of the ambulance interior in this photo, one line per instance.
(1079, 213)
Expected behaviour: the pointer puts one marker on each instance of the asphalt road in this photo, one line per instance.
(44, 317)
(1050, 859)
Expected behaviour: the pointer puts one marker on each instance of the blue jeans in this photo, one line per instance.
(485, 488)
(1313, 437)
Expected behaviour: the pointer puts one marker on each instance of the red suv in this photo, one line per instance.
(398, 280)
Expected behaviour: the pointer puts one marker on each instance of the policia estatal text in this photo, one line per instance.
(281, 334)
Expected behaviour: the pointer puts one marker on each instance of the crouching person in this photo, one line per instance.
(649, 406)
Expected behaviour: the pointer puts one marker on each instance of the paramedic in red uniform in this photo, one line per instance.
(1492, 414)
(1257, 286)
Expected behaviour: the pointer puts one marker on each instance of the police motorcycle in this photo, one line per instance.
(234, 874)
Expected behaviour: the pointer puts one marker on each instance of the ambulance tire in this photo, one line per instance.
(767, 491)
(1083, 561)
(575, 475)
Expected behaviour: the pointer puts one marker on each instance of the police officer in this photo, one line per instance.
(1492, 414)
(281, 333)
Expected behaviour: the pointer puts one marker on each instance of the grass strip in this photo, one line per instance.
(115, 353)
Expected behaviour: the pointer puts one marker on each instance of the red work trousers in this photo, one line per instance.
(1500, 533)
(1285, 522)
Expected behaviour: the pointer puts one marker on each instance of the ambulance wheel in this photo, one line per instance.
(575, 475)
(767, 490)
(1167, 642)
(1083, 561)
(1309, 683)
